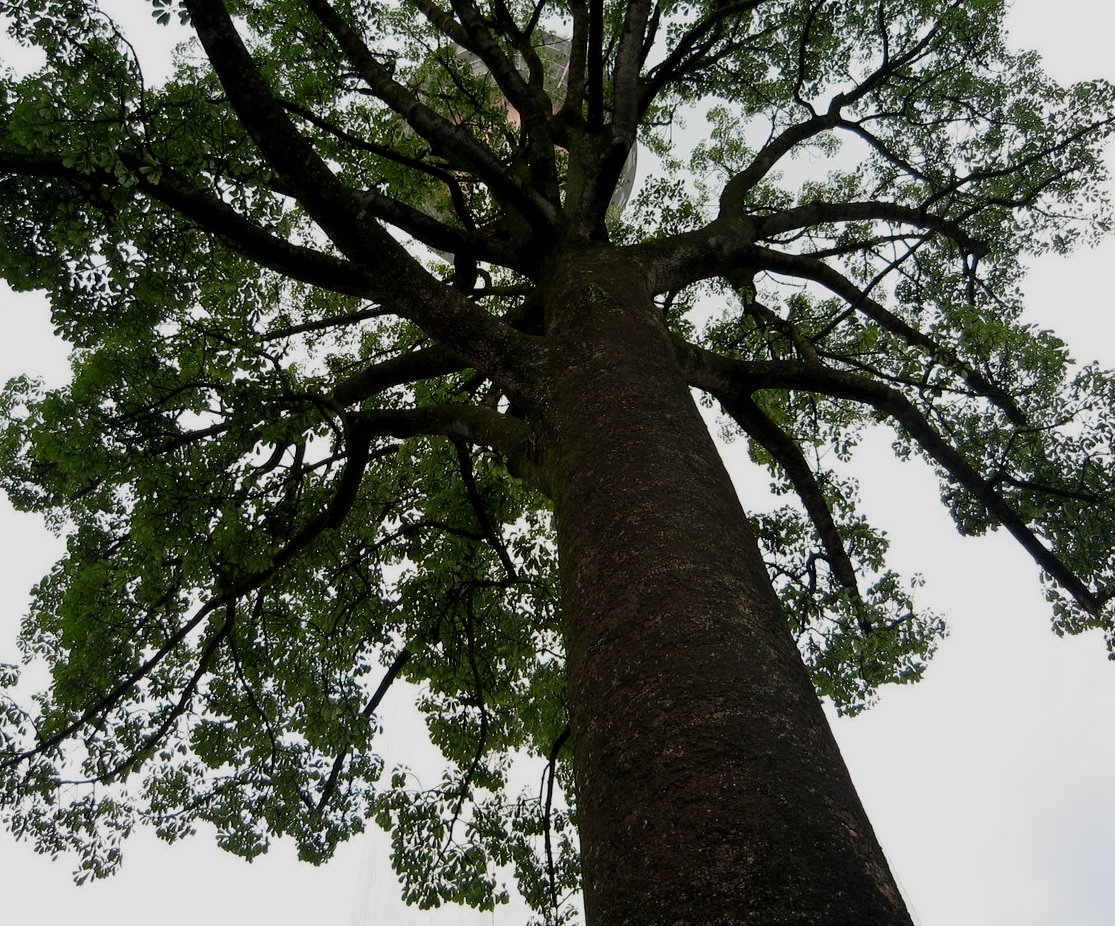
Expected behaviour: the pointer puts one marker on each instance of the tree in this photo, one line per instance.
(354, 310)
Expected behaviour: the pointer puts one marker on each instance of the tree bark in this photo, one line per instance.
(709, 786)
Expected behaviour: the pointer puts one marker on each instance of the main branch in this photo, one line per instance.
(735, 380)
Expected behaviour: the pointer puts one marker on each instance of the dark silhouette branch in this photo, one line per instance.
(531, 101)
(451, 181)
(449, 139)
(396, 275)
(322, 324)
(423, 363)
(487, 528)
(547, 812)
(808, 268)
(511, 437)
(735, 379)
(817, 213)
(803, 48)
(788, 455)
(437, 234)
(392, 673)
(210, 214)
(891, 65)
(1017, 166)
(734, 198)
(357, 445)
(693, 49)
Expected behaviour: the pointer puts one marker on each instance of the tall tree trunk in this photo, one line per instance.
(709, 786)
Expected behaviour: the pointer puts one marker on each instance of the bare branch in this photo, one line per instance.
(803, 47)
(437, 234)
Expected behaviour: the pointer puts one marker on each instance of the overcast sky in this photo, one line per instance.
(989, 784)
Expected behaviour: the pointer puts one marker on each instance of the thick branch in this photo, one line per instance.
(734, 197)
(533, 105)
(437, 234)
(210, 214)
(816, 213)
(595, 76)
(425, 363)
(576, 87)
(789, 456)
(807, 268)
(421, 363)
(725, 246)
(692, 46)
(445, 315)
(508, 436)
(678, 261)
(628, 65)
(443, 134)
(405, 217)
(735, 379)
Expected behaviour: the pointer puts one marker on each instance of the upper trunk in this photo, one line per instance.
(709, 786)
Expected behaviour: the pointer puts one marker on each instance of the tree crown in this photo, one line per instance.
(304, 281)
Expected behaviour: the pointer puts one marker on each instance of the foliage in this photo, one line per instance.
(294, 464)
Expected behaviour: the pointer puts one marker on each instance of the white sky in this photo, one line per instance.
(989, 783)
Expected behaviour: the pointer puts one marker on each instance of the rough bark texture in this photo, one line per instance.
(709, 786)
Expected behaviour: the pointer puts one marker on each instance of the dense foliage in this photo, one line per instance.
(296, 461)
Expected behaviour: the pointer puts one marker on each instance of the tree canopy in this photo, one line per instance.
(309, 284)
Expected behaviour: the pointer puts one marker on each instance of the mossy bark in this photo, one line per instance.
(709, 786)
